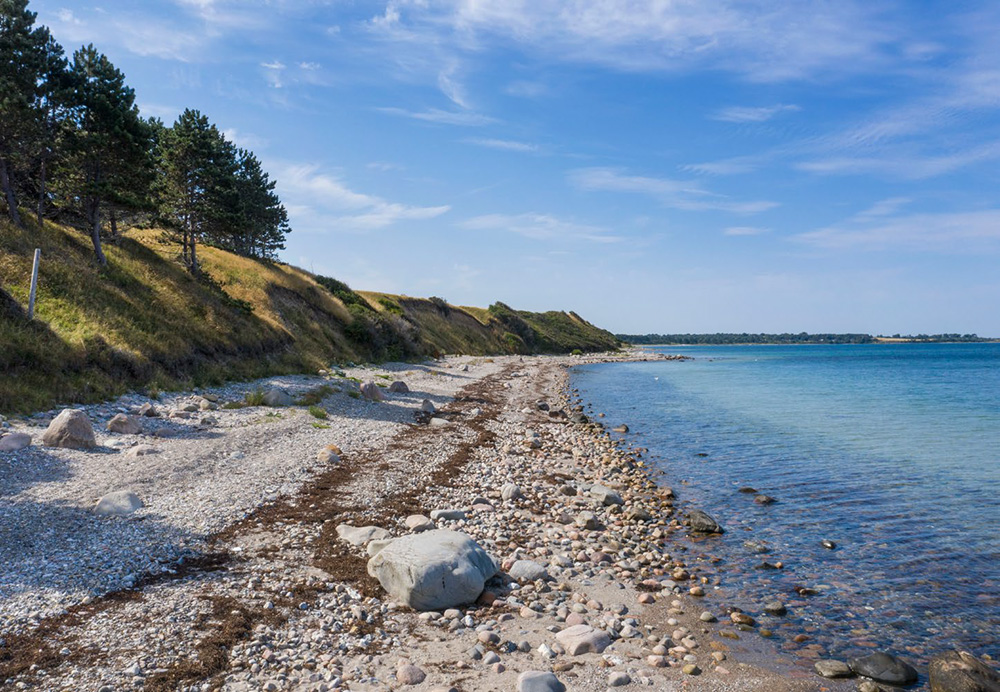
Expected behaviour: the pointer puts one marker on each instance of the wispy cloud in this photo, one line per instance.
(503, 144)
(948, 232)
(903, 162)
(733, 166)
(745, 230)
(244, 140)
(678, 194)
(751, 114)
(763, 42)
(273, 73)
(540, 227)
(321, 202)
(435, 115)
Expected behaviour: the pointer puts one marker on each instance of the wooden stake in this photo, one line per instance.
(34, 284)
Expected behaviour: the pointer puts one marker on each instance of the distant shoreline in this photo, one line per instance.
(744, 339)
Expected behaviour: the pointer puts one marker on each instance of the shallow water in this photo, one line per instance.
(891, 451)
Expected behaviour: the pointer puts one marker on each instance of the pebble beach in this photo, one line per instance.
(246, 564)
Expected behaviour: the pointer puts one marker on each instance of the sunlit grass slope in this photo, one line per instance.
(144, 322)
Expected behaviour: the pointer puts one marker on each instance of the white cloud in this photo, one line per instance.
(451, 88)
(745, 230)
(885, 207)
(957, 232)
(504, 144)
(320, 202)
(539, 227)
(749, 114)
(244, 140)
(526, 89)
(309, 66)
(678, 194)
(733, 166)
(903, 162)
(435, 115)
(764, 41)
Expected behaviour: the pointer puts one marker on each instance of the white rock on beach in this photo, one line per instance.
(583, 639)
(359, 535)
(14, 442)
(118, 503)
(140, 451)
(372, 392)
(71, 429)
(277, 397)
(433, 570)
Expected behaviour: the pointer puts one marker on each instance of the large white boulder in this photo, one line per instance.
(118, 503)
(14, 441)
(433, 570)
(72, 429)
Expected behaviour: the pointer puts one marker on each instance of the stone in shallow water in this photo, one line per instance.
(703, 522)
(960, 671)
(833, 669)
(118, 503)
(883, 667)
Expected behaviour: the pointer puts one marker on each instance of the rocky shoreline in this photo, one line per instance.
(247, 568)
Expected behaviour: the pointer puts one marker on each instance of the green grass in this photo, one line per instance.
(320, 426)
(144, 323)
(318, 412)
(315, 395)
(254, 398)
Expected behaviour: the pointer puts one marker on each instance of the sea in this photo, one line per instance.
(891, 451)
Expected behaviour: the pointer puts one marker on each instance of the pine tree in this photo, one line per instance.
(194, 164)
(22, 47)
(262, 220)
(110, 148)
(54, 103)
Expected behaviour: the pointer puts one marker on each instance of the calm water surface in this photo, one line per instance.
(891, 451)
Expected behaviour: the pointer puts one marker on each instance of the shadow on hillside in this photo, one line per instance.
(51, 549)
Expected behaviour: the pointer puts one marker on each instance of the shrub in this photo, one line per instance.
(254, 398)
(318, 412)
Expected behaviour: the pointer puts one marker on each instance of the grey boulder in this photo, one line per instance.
(359, 535)
(433, 570)
(277, 397)
(14, 441)
(606, 496)
(833, 669)
(124, 425)
(703, 522)
(372, 392)
(538, 681)
(960, 671)
(398, 387)
(70, 429)
(883, 667)
(527, 570)
(118, 503)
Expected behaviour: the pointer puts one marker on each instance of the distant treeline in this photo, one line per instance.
(800, 338)
(74, 147)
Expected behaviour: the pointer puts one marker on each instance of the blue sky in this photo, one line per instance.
(655, 165)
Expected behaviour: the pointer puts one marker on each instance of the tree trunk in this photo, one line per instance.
(194, 257)
(95, 231)
(8, 192)
(114, 224)
(41, 194)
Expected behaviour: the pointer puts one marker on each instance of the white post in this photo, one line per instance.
(34, 284)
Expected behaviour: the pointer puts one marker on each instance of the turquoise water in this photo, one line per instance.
(891, 451)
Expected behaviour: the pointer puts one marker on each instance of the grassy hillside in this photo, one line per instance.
(145, 322)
